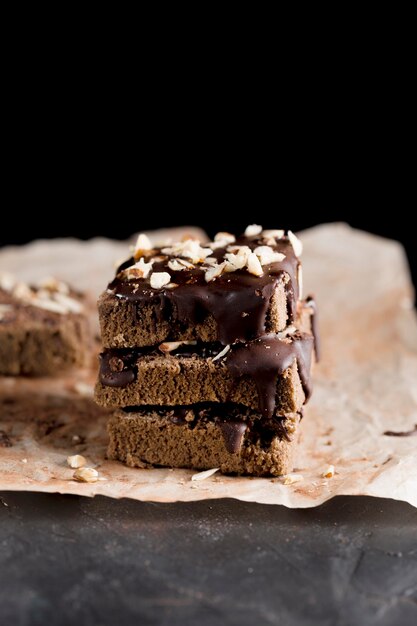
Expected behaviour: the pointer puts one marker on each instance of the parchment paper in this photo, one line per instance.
(365, 385)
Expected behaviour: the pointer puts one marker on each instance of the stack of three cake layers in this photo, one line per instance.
(207, 351)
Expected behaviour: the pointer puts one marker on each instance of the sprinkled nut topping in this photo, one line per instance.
(160, 279)
(143, 244)
(267, 255)
(253, 230)
(297, 246)
(254, 265)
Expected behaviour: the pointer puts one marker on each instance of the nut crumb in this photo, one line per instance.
(329, 472)
(85, 475)
(160, 279)
(205, 474)
(76, 460)
(221, 354)
(83, 389)
(143, 246)
(290, 479)
(267, 255)
(253, 230)
(170, 346)
(254, 265)
(297, 246)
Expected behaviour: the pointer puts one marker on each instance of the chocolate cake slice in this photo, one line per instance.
(207, 353)
(269, 373)
(231, 289)
(43, 330)
(231, 438)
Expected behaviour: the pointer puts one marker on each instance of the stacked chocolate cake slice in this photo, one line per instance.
(207, 353)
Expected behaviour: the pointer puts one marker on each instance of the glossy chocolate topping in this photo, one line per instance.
(238, 301)
(118, 367)
(268, 357)
(233, 432)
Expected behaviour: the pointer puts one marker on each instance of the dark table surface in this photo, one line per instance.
(74, 560)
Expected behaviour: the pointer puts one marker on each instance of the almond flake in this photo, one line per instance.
(252, 230)
(170, 346)
(140, 269)
(85, 475)
(214, 271)
(221, 354)
(52, 284)
(142, 243)
(72, 305)
(273, 234)
(190, 249)
(76, 461)
(4, 310)
(221, 240)
(254, 266)
(21, 291)
(329, 472)
(210, 261)
(297, 246)
(7, 281)
(267, 255)
(205, 474)
(160, 279)
(83, 389)
(228, 237)
(237, 258)
(176, 266)
(290, 479)
(49, 305)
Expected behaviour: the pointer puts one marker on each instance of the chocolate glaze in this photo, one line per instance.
(407, 433)
(233, 433)
(118, 367)
(263, 359)
(315, 326)
(266, 358)
(225, 298)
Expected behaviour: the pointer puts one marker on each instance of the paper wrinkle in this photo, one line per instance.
(365, 385)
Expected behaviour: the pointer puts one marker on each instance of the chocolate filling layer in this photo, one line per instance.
(235, 422)
(238, 301)
(263, 359)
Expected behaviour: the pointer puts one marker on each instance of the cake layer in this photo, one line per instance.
(42, 330)
(227, 290)
(269, 374)
(231, 438)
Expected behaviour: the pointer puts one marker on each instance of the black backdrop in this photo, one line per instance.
(83, 183)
